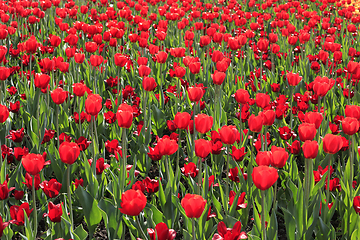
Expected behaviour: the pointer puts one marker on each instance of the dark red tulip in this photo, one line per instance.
(307, 131)
(228, 134)
(255, 123)
(100, 165)
(242, 96)
(350, 125)
(33, 163)
(240, 202)
(59, 96)
(310, 149)
(4, 113)
(193, 205)
(195, 93)
(182, 120)
(132, 202)
(356, 204)
(263, 158)
(264, 177)
(3, 225)
(225, 233)
(4, 191)
(149, 84)
(293, 79)
(278, 157)
(51, 188)
(17, 213)
(190, 170)
(151, 185)
(203, 123)
(202, 148)
(93, 104)
(124, 115)
(69, 152)
(28, 181)
(55, 212)
(332, 143)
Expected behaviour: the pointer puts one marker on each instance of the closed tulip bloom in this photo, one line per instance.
(332, 143)
(79, 57)
(195, 93)
(307, 131)
(55, 212)
(242, 96)
(4, 73)
(161, 57)
(228, 134)
(203, 123)
(59, 96)
(96, 60)
(310, 149)
(144, 71)
(202, 148)
(149, 84)
(263, 45)
(314, 117)
(166, 146)
(193, 205)
(350, 125)
(322, 85)
(132, 202)
(33, 163)
(264, 177)
(124, 115)
(120, 60)
(182, 120)
(93, 104)
(293, 78)
(278, 157)
(268, 117)
(4, 113)
(262, 100)
(41, 80)
(263, 158)
(218, 77)
(255, 123)
(352, 111)
(69, 152)
(79, 89)
(356, 204)
(162, 232)
(31, 45)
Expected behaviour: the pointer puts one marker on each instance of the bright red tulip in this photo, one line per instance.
(268, 117)
(350, 125)
(17, 213)
(4, 113)
(132, 202)
(307, 131)
(278, 157)
(218, 77)
(332, 143)
(162, 232)
(69, 152)
(203, 123)
(356, 204)
(255, 123)
(182, 120)
(93, 104)
(149, 84)
(262, 100)
(55, 212)
(51, 188)
(242, 96)
(263, 158)
(314, 117)
(310, 149)
(293, 78)
(124, 115)
(166, 146)
(193, 205)
(352, 111)
(264, 177)
(120, 60)
(228, 134)
(195, 93)
(202, 148)
(4, 73)
(59, 96)
(96, 60)
(41, 80)
(33, 163)
(79, 89)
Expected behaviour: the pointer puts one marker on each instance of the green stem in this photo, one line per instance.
(57, 125)
(263, 225)
(227, 171)
(275, 196)
(193, 229)
(167, 168)
(124, 143)
(141, 230)
(328, 200)
(200, 176)
(34, 206)
(291, 100)
(69, 196)
(178, 152)
(78, 101)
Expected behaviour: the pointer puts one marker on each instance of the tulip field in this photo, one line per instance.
(179, 119)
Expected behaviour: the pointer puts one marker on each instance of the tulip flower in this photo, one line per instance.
(203, 123)
(350, 125)
(55, 212)
(93, 104)
(124, 115)
(132, 202)
(17, 213)
(193, 205)
(307, 131)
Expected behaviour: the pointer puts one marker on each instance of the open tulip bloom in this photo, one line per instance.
(179, 120)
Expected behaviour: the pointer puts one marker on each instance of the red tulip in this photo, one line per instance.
(4, 73)
(182, 120)
(195, 93)
(79, 57)
(91, 47)
(255, 123)
(263, 158)
(322, 85)
(218, 77)
(332, 143)
(4, 113)
(238, 154)
(161, 57)
(307, 131)
(268, 117)
(17, 213)
(59, 96)
(314, 117)
(69, 152)
(33, 163)
(240, 202)
(120, 60)
(310, 149)
(4, 191)
(352, 111)
(356, 204)
(225, 233)
(203, 123)
(41, 80)
(31, 45)
(93, 104)
(124, 115)
(193, 205)
(149, 84)
(55, 212)
(242, 96)
(263, 45)
(51, 188)
(228, 134)
(264, 177)
(96, 60)
(278, 157)
(79, 89)
(132, 202)
(202, 148)
(190, 170)
(262, 100)
(3, 225)
(293, 78)
(166, 146)
(350, 125)
(144, 71)
(162, 232)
